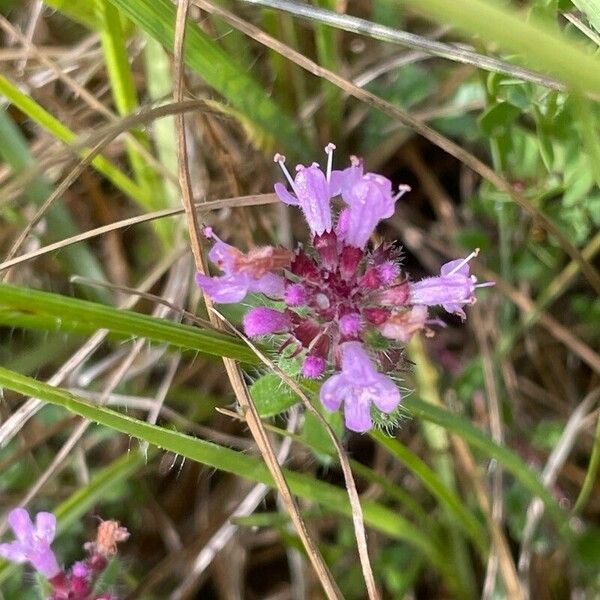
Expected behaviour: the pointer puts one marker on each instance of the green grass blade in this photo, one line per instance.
(478, 439)
(218, 69)
(445, 496)
(591, 9)
(81, 12)
(327, 43)
(15, 151)
(114, 46)
(591, 473)
(538, 44)
(224, 459)
(44, 119)
(158, 81)
(116, 58)
(88, 316)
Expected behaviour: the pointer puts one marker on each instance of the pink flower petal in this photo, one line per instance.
(333, 392)
(45, 527)
(13, 551)
(20, 523)
(227, 289)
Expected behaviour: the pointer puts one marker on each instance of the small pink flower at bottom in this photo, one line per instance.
(358, 386)
(33, 542)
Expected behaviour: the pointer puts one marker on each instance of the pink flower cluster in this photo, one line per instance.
(346, 307)
(33, 545)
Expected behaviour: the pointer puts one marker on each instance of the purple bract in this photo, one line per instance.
(345, 307)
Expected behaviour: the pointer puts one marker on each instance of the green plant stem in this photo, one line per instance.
(591, 474)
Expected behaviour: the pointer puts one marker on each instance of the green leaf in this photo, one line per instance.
(84, 316)
(271, 395)
(545, 146)
(316, 436)
(217, 68)
(497, 118)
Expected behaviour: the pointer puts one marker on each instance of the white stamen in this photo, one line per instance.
(486, 284)
(280, 158)
(462, 263)
(329, 151)
(402, 189)
(354, 161)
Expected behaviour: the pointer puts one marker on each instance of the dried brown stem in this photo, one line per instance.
(233, 371)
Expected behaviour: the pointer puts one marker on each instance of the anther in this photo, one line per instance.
(462, 263)
(402, 189)
(280, 158)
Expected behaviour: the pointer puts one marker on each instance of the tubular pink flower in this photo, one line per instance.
(33, 542)
(358, 386)
(263, 321)
(369, 198)
(243, 274)
(313, 191)
(230, 289)
(454, 288)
